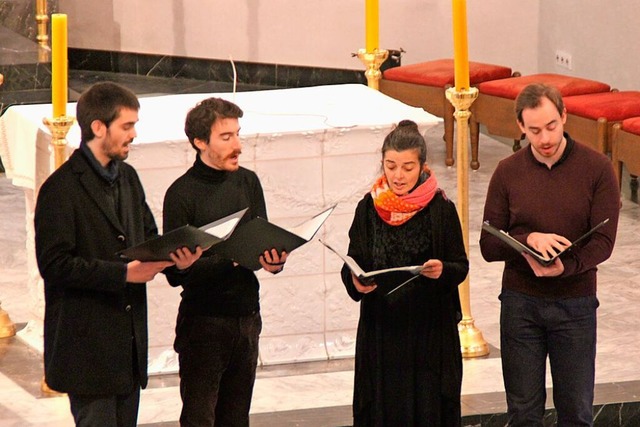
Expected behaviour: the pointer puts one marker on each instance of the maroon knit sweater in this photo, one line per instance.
(578, 192)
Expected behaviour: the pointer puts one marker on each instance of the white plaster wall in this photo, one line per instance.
(602, 38)
(295, 32)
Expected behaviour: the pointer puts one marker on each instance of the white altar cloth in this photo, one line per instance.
(311, 147)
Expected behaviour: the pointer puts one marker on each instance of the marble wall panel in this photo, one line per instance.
(292, 304)
(348, 178)
(155, 183)
(292, 349)
(341, 344)
(20, 16)
(29, 76)
(295, 76)
(264, 74)
(289, 146)
(292, 187)
(162, 302)
(293, 319)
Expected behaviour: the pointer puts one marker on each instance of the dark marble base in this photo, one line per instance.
(26, 70)
(283, 76)
(25, 77)
(611, 415)
(24, 65)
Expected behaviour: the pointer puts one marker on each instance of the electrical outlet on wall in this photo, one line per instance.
(563, 59)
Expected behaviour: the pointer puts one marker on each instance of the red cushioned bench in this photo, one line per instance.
(495, 106)
(625, 149)
(590, 118)
(424, 85)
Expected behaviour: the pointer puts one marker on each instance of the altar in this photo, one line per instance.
(311, 147)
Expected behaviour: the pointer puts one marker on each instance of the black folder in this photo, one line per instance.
(251, 239)
(515, 244)
(159, 248)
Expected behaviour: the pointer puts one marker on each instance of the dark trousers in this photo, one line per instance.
(532, 328)
(106, 411)
(218, 359)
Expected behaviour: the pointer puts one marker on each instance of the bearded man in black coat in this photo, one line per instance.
(93, 206)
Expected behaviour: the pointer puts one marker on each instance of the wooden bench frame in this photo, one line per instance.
(498, 115)
(625, 148)
(597, 134)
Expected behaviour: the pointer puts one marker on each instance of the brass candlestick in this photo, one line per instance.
(59, 127)
(48, 391)
(7, 327)
(373, 61)
(43, 20)
(472, 342)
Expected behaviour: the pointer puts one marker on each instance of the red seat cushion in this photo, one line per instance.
(440, 73)
(613, 106)
(631, 125)
(567, 85)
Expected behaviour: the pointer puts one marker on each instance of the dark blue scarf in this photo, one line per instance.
(109, 174)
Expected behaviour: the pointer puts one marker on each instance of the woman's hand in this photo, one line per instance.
(432, 269)
(362, 288)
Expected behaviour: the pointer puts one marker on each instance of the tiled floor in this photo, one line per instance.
(319, 393)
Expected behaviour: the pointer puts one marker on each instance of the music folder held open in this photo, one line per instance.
(520, 247)
(159, 248)
(251, 239)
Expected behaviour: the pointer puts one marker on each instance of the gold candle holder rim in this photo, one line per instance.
(59, 126)
(60, 121)
(373, 61)
(375, 52)
(462, 99)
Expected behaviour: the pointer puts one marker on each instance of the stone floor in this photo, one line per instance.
(319, 393)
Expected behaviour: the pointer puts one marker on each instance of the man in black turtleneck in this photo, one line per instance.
(95, 324)
(219, 322)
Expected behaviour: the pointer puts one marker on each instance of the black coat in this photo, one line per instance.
(95, 326)
(408, 369)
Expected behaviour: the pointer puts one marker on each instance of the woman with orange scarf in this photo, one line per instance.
(408, 369)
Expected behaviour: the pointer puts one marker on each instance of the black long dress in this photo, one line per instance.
(408, 369)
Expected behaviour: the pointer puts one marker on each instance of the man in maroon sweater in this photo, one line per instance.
(546, 196)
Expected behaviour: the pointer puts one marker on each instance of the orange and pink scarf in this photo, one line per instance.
(396, 210)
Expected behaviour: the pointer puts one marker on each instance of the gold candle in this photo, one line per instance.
(460, 47)
(59, 65)
(372, 23)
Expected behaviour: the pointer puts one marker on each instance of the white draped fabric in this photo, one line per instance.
(311, 147)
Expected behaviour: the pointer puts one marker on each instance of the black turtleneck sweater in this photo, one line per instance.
(212, 286)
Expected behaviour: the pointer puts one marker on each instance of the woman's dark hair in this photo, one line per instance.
(201, 118)
(103, 101)
(406, 136)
